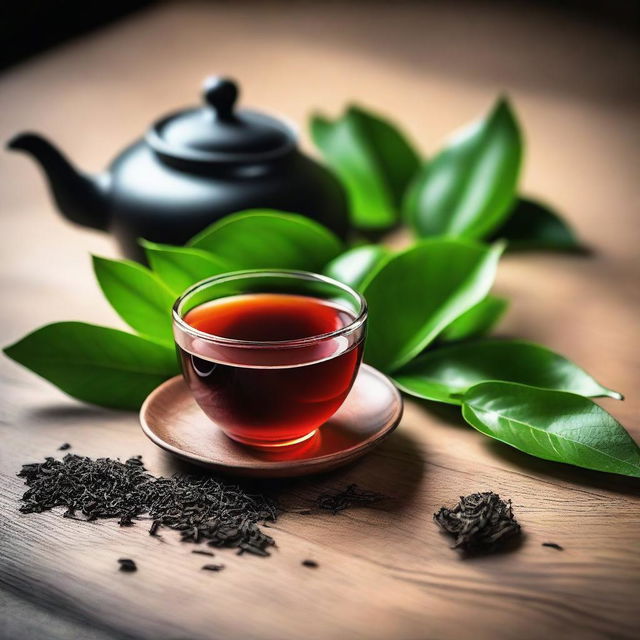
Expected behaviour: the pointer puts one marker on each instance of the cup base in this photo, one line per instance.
(261, 444)
(172, 420)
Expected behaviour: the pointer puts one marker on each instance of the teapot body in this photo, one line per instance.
(192, 168)
(153, 200)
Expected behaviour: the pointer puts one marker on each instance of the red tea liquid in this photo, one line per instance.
(272, 396)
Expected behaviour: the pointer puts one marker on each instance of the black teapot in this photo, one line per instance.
(192, 168)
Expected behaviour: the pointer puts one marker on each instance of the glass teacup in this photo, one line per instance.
(270, 355)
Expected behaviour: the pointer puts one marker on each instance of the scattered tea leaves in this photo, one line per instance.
(201, 552)
(64, 447)
(127, 565)
(553, 545)
(312, 564)
(478, 522)
(213, 567)
(200, 508)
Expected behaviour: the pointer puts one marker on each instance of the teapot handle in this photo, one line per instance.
(220, 94)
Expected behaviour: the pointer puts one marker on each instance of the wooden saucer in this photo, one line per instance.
(171, 418)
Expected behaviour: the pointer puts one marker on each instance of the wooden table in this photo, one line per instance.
(385, 572)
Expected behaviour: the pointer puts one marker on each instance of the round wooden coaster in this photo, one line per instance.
(171, 418)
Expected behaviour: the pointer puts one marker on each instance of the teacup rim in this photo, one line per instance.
(354, 325)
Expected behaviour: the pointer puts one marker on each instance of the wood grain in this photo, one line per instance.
(383, 572)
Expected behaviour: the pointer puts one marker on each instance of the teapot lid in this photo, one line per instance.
(218, 133)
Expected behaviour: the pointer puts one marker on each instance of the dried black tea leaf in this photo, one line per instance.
(201, 552)
(337, 500)
(153, 529)
(553, 545)
(64, 446)
(199, 507)
(312, 564)
(127, 565)
(478, 522)
(213, 567)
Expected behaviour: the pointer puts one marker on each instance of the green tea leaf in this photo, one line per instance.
(532, 225)
(445, 373)
(357, 266)
(373, 158)
(137, 296)
(468, 189)
(478, 321)
(553, 425)
(96, 364)
(418, 292)
(180, 267)
(263, 239)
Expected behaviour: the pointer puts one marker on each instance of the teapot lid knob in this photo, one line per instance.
(220, 94)
(219, 132)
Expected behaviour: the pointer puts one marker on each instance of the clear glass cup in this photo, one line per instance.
(279, 389)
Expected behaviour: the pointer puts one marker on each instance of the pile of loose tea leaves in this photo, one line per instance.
(478, 522)
(200, 508)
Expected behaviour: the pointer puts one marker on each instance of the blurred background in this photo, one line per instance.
(31, 26)
(93, 76)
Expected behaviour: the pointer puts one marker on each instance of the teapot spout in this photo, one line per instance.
(81, 198)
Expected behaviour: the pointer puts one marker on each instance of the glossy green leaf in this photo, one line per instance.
(532, 225)
(357, 266)
(469, 188)
(445, 373)
(553, 425)
(374, 160)
(478, 321)
(137, 296)
(418, 292)
(180, 267)
(264, 239)
(96, 364)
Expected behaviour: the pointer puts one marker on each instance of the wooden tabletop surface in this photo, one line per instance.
(384, 572)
